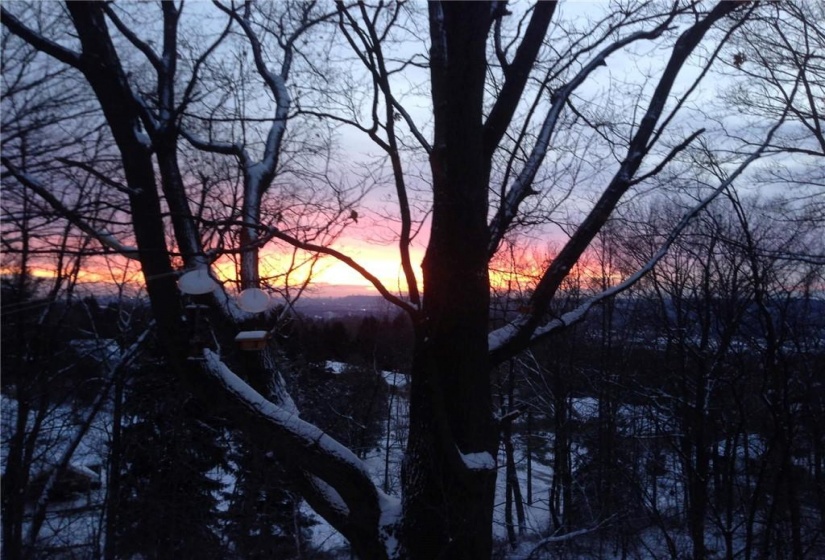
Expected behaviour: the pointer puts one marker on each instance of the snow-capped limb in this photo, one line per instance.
(330, 496)
(621, 181)
(326, 502)
(276, 82)
(289, 426)
(142, 138)
(522, 185)
(160, 119)
(498, 339)
(102, 235)
(258, 176)
(147, 119)
(347, 488)
(517, 72)
(168, 113)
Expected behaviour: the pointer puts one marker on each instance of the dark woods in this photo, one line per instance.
(606, 285)
(686, 411)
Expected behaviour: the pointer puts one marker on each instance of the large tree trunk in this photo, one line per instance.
(102, 69)
(449, 472)
(448, 497)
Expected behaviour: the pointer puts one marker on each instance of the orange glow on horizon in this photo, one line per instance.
(382, 261)
(330, 277)
(96, 271)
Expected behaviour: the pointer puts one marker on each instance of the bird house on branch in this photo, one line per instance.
(252, 340)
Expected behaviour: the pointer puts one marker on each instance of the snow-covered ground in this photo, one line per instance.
(77, 522)
(72, 525)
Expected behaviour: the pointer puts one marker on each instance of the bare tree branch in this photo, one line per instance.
(638, 148)
(499, 339)
(39, 42)
(522, 185)
(101, 235)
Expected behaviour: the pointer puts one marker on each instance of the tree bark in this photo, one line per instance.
(101, 67)
(449, 501)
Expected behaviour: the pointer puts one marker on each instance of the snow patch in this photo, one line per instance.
(497, 338)
(109, 240)
(394, 378)
(585, 408)
(481, 461)
(335, 368)
(142, 138)
(391, 510)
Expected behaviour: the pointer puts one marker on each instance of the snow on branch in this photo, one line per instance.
(276, 82)
(500, 337)
(522, 185)
(481, 461)
(308, 434)
(102, 235)
(330, 495)
(520, 336)
(343, 474)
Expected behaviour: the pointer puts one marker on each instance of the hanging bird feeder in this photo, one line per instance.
(197, 282)
(194, 283)
(252, 341)
(253, 300)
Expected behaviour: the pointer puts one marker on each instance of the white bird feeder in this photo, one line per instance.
(197, 282)
(253, 300)
(252, 340)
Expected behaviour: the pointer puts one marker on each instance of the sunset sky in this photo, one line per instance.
(333, 278)
(330, 277)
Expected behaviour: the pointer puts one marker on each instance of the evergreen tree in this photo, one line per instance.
(264, 519)
(168, 500)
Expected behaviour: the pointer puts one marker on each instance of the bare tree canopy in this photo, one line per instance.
(188, 136)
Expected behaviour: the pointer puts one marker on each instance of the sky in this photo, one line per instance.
(336, 279)
(381, 259)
